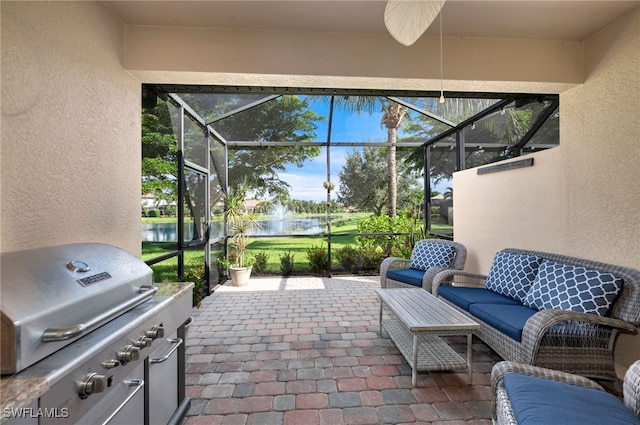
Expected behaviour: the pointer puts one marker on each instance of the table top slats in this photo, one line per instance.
(421, 311)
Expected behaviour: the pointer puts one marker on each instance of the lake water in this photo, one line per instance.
(168, 232)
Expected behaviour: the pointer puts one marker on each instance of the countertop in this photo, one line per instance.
(19, 390)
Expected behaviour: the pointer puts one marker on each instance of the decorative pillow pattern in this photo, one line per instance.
(429, 254)
(512, 274)
(574, 288)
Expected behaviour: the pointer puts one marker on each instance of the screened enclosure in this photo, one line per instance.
(335, 179)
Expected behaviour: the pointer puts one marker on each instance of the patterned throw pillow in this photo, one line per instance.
(574, 288)
(512, 274)
(429, 254)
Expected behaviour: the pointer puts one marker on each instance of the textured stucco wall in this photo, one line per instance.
(70, 128)
(519, 208)
(600, 121)
(582, 198)
(320, 55)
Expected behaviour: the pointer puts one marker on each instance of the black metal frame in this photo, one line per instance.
(271, 93)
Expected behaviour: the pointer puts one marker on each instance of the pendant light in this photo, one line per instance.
(407, 20)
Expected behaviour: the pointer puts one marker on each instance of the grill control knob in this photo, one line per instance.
(143, 342)
(110, 364)
(93, 383)
(155, 332)
(130, 353)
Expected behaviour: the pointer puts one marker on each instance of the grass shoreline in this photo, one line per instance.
(344, 229)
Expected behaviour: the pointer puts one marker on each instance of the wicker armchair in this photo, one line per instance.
(421, 261)
(568, 341)
(503, 411)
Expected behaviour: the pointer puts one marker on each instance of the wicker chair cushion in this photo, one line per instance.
(506, 318)
(542, 401)
(566, 287)
(464, 297)
(410, 276)
(428, 254)
(512, 274)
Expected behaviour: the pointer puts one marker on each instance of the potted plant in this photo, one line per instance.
(240, 223)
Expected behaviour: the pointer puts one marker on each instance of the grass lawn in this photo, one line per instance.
(274, 248)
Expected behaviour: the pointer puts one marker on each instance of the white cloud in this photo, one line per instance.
(306, 186)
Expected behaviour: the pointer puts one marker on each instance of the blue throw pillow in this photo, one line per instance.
(574, 288)
(512, 274)
(430, 254)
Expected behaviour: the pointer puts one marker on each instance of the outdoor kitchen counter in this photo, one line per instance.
(17, 391)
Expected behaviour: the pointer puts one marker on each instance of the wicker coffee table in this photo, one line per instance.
(420, 320)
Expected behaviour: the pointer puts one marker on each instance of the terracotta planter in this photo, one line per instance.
(240, 275)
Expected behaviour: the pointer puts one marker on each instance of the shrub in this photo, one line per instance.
(318, 259)
(286, 263)
(349, 258)
(409, 228)
(260, 262)
(371, 258)
(153, 213)
(194, 272)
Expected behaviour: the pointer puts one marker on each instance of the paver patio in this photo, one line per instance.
(307, 351)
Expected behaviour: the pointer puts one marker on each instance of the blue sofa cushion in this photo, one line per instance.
(430, 254)
(512, 274)
(539, 401)
(464, 297)
(507, 318)
(566, 287)
(410, 276)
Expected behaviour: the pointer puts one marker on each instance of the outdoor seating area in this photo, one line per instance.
(314, 350)
(549, 310)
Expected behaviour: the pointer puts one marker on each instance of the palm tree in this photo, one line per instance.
(392, 118)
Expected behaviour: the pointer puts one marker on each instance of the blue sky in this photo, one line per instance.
(307, 182)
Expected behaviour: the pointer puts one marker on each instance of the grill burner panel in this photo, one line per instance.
(101, 354)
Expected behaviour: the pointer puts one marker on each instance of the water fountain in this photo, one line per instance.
(279, 214)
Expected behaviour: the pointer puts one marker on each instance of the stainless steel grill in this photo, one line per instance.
(52, 296)
(86, 319)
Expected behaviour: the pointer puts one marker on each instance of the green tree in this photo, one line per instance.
(159, 154)
(363, 181)
(285, 119)
(392, 118)
(501, 128)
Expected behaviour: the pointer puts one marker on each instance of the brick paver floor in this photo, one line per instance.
(308, 351)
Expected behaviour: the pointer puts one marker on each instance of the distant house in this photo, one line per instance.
(251, 205)
(149, 202)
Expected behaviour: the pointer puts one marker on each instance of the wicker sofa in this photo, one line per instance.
(548, 310)
(523, 394)
(428, 258)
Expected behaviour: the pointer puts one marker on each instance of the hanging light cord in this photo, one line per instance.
(441, 90)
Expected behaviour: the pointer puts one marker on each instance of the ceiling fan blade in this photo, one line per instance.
(407, 20)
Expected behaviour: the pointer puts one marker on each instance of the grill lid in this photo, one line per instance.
(51, 296)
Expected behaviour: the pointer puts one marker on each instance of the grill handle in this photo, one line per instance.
(138, 384)
(177, 342)
(63, 334)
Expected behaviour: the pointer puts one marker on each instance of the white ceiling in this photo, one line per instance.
(552, 20)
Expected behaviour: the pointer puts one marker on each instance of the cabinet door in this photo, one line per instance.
(163, 380)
